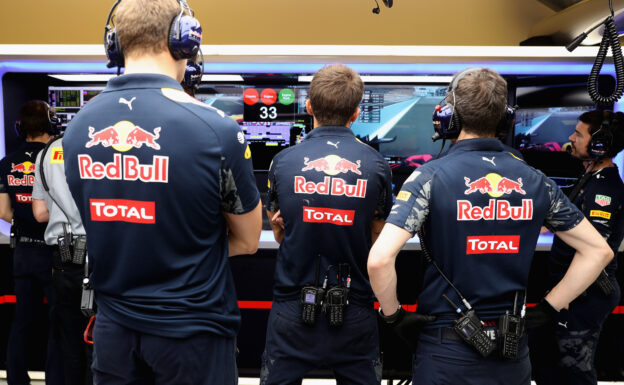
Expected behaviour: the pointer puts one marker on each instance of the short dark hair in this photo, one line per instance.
(335, 93)
(480, 99)
(595, 118)
(34, 117)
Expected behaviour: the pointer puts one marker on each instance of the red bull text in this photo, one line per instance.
(126, 167)
(26, 180)
(331, 186)
(496, 210)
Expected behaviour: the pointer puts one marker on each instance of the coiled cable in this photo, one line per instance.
(609, 38)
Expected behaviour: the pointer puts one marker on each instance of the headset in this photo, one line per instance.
(184, 39)
(601, 141)
(52, 128)
(446, 119)
(194, 72)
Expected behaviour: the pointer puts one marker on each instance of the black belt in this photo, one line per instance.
(31, 240)
(443, 333)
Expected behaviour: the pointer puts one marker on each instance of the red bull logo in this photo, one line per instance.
(331, 186)
(126, 167)
(123, 136)
(25, 168)
(496, 210)
(332, 165)
(494, 185)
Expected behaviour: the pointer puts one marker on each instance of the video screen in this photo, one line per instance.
(546, 129)
(271, 117)
(67, 101)
(396, 119)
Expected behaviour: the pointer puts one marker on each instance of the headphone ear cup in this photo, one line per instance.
(185, 34)
(113, 50)
(600, 144)
(455, 127)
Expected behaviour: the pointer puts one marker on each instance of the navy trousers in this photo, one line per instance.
(573, 340)
(122, 356)
(441, 361)
(32, 275)
(293, 348)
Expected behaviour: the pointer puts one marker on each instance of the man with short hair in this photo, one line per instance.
(32, 258)
(328, 197)
(597, 138)
(481, 210)
(166, 192)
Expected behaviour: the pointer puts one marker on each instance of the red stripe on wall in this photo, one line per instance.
(255, 304)
(7, 299)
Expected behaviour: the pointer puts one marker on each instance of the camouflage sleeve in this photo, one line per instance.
(272, 202)
(38, 191)
(239, 193)
(562, 214)
(412, 203)
(384, 204)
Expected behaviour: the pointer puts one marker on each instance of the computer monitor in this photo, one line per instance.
(67, 101)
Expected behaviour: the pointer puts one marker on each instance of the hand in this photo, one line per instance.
(539, 315)
(277, 219)
(407, 325)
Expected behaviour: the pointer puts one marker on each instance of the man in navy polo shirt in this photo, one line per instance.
(332, 193)
(481, 209)
(597, 138)
(165, 190)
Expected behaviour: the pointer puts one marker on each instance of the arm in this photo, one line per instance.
(40, 210)
(277, 224)
(376, 227)
(592, 255)
(244, 231)
(6, 211)
(381, 268)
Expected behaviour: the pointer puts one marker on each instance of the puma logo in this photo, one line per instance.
(489, 160)
(28, 153)
(128, 103)
(565, 325)
(333, 144)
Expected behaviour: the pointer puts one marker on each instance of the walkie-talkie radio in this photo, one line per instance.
(510, 329)
(87, 300)
(338, 298)
(13, 235)
(80, 250)
(470, 328)
(312, 298)
(64, 244)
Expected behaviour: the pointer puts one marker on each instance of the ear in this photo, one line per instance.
(355, 115)
(309, 107)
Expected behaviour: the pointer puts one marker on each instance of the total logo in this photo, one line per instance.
(327, 215)
(494, 185)
(23, 198)
(493, 244)
(122, 210)
(122, 137)
(332, 165)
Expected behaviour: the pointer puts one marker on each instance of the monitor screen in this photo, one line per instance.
(546, 129)
(67, 101)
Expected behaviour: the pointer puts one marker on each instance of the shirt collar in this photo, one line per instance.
(477, 144)
(142, 81)
(330, 131)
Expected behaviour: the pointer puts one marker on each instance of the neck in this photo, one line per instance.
(469, 135)
(43, 138)
(600, 164)
(161, 63)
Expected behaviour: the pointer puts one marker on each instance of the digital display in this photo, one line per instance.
(546, 129)
(268, 104)
(310, 298)
(67, 101)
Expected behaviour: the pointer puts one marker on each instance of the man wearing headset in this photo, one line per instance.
(599, 194)
(52, 203)
(32, 258)
(481, 210)
(165, 189)
(333, 193)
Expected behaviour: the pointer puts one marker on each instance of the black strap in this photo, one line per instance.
(43, 178)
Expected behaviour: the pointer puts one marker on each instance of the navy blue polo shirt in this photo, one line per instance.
(152, 170)
(17, 177)
(601, 200)
(329, 188)
(482, 209)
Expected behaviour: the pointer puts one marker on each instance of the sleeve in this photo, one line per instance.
(412, 203)
(239, 193)
(38, 190)
(272, 203)
(562, 215)
(384, 205)
(601, 208)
